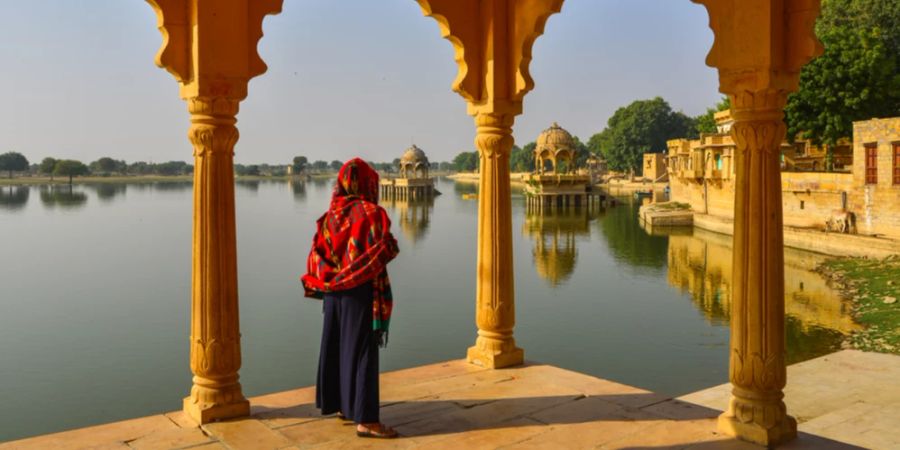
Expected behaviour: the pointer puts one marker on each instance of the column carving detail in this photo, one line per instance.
(495, 297)
(757, 351)
(215, 336)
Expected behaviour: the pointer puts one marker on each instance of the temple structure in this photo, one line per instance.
(555, 184)
(413, 182)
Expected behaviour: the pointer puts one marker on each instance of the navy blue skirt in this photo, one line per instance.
(347, 381)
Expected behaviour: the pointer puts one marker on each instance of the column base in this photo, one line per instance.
(495, 359)
(782, 431)
(203, 413)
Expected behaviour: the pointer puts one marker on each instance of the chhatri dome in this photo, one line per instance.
(414, 162)
(554, 144)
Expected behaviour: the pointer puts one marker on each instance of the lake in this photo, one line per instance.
(95, 296)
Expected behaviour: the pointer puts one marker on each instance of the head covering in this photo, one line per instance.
(353, 243)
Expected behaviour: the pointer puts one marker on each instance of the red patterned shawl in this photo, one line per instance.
(353, 244)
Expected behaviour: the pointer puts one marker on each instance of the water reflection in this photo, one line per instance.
(413, 217)
(108, 191)
(555, 251)
(64, 197)
(462, 187)
(14, 198)
(627, 242)
(172, 186)
(817, 318)
(298, 187)
(249, 185)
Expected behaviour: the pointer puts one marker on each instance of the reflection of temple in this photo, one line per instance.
(555, 251)
(554, 183)
(413, 182)
(702, 265)
(413, 217)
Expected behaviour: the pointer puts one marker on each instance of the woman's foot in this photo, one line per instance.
(341, 416)
(375, 430)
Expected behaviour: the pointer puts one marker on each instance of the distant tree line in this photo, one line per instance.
(14, 162)
(301, 164)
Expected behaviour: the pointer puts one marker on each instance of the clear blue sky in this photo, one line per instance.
(346, 78)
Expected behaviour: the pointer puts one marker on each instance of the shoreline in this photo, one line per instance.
(872, 287)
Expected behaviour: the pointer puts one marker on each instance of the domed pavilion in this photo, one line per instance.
(413, 182)
(556, 146)
(414, 163)
(555, 184)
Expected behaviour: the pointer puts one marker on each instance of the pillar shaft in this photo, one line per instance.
(757, 361)
(215, 331)
(495, 299)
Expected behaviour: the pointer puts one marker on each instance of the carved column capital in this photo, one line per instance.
(493, 136)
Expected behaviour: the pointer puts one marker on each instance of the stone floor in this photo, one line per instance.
(845, 400)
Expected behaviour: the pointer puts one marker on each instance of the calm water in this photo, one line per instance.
(94, 294)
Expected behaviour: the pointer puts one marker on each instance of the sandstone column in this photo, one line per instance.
(759, 49)
(210, 49)
(757, 361)
(215, 331)
(492, 40)
(495, 303)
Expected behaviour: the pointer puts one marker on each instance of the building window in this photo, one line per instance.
(871, 163)
(896, 162)
(802, 204)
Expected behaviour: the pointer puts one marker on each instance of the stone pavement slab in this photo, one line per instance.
(848, 400)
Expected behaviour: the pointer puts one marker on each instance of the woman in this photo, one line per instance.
(347, 269)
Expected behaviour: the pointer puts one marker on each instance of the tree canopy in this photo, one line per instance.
(47, 165)
(858, 76)
(466, 162)
(299, 164)
(13, 162)
(70, 168)
(641, 127)
(706, 123)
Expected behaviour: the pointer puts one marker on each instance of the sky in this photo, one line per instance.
(346, 78)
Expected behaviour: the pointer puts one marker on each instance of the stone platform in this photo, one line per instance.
(842, 399)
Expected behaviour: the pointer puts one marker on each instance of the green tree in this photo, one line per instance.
(299, 164)
(466, 162)
(47, 165)
(70, 168)
(104, 165)
(320, 165)
(13, 162)
(641, 127)
(706, 122)
(858, 76)
(173, 168)
(336, 165)
(520, 160)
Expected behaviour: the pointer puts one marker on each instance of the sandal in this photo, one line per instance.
(382, 432)
(341, 416)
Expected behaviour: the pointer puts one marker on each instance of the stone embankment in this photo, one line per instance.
(814, 240)
(666, 214)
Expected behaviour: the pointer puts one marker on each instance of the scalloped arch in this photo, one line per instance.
(174, 52)
(467, 82)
